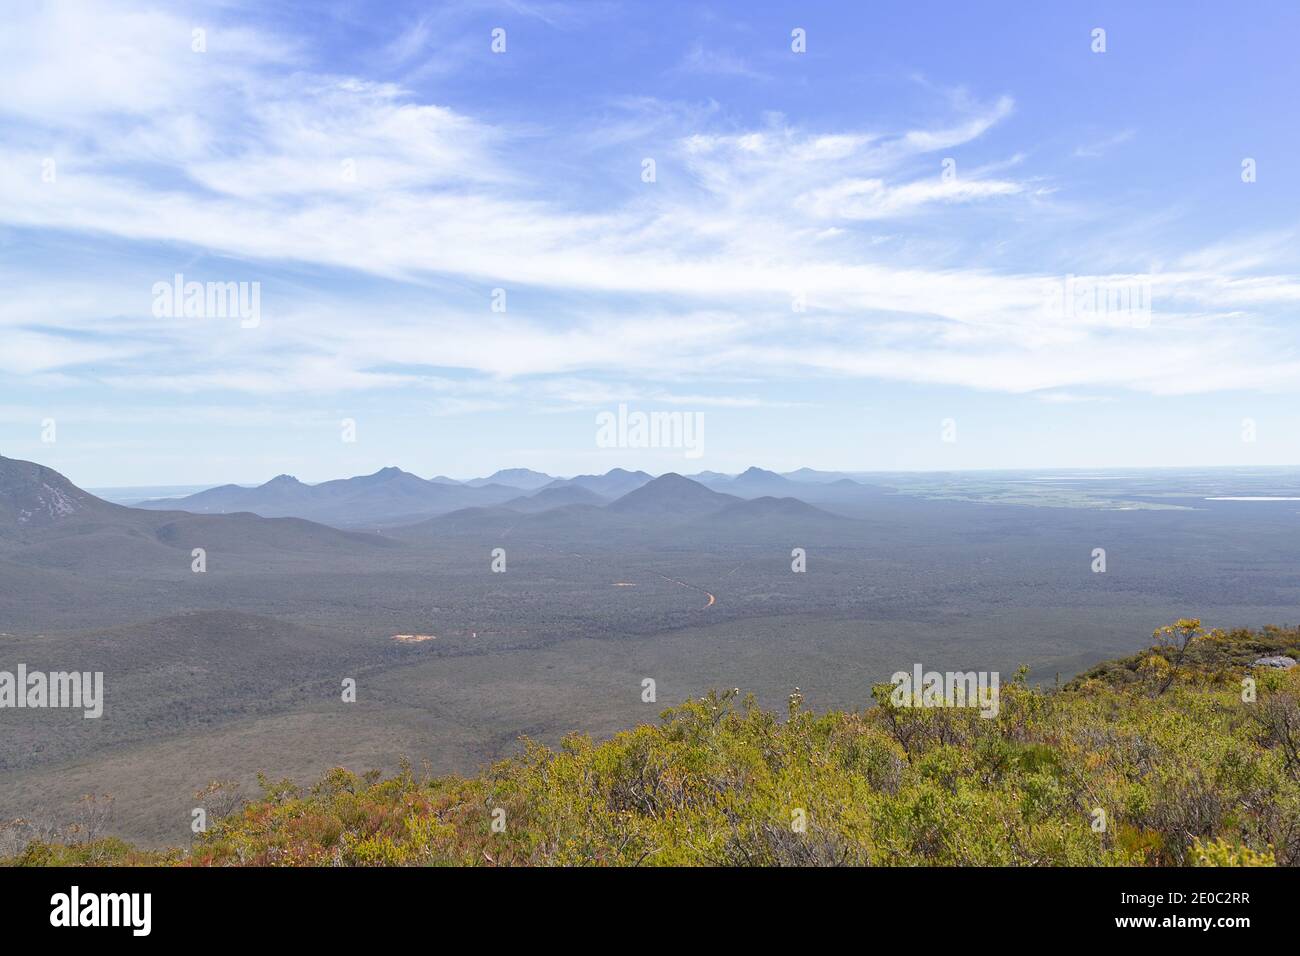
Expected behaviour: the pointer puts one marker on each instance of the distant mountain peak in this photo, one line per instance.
(613, 484)
(524, 478)
(556, 497)
(515, 473)
(672, 493)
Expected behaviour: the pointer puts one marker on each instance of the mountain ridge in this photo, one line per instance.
(392, 497)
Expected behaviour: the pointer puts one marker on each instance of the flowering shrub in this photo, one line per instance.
(1135, 762)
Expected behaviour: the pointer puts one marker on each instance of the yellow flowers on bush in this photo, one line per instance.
(1160, 759)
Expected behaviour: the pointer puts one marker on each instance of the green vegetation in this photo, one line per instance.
(1179, 755)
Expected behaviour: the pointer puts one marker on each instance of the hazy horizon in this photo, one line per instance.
(456, 234)
(687, 472)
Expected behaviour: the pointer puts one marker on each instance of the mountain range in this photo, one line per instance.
(392, 497)
(55, 524)
(69, 558)
(47, 521)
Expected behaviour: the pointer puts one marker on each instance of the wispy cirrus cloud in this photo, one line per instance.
(1104, 144)
(710, 61)
(253, 155)
(874, 199)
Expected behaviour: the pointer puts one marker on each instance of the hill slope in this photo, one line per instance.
(1185, 770)
(47, 521)
(34, 496)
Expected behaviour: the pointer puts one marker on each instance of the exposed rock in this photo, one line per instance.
(1280, 661)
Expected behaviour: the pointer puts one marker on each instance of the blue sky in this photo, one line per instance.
(840, 250)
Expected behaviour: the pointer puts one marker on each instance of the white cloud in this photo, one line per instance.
(238, 152)
(873, 199)
(1103, 144)
(715, 62)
